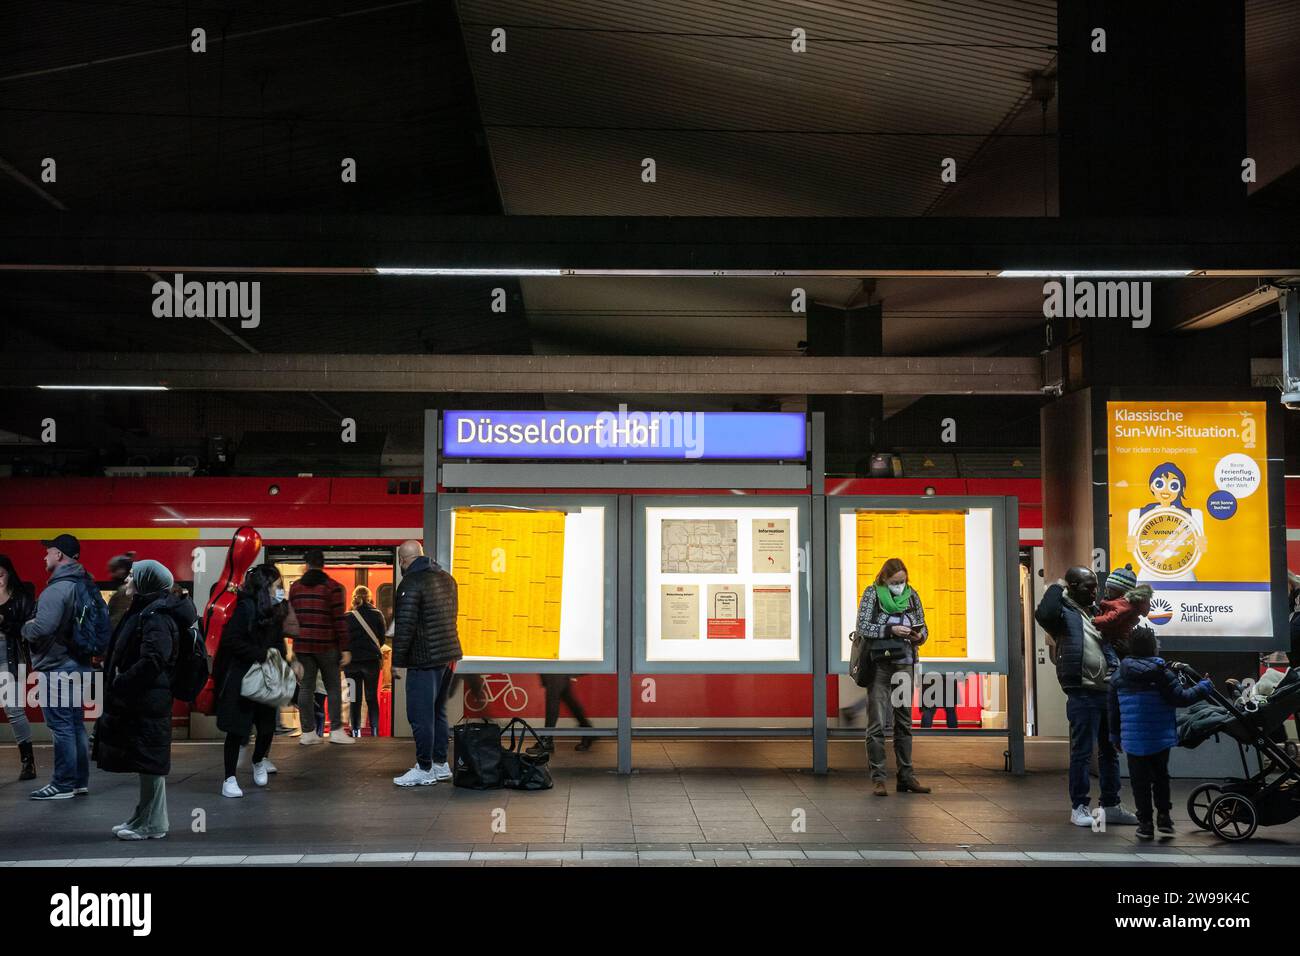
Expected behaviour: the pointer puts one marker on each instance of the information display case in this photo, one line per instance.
(722, 584)
(535, 578)
(959, 554)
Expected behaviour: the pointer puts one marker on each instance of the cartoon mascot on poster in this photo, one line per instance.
(1165, 536)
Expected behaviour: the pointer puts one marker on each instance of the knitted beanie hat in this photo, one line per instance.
(1122, 579)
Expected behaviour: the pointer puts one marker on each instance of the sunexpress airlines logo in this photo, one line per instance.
(1086, 299)
(1161, 611)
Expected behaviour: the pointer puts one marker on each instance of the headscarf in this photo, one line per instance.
(150, 577)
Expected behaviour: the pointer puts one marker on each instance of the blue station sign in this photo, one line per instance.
(663, 436)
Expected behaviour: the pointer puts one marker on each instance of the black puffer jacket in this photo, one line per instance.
(359, 643)
(134, 734)
(424, 617)
(1061, 620)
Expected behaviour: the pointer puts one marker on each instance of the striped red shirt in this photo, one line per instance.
(318, 602)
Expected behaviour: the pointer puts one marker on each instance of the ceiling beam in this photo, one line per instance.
(341, 244)
(554, 374)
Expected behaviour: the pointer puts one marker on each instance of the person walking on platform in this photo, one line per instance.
(365, 643)
(1084, 663)
(50, 636)
(16, 607)
(319, 603)
(559, 688)
(892, 621)
(134, 734)
(256, 627)
(425, 642)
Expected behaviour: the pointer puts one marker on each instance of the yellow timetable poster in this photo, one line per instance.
(509, 566)
(933, 546)
(1188, 503)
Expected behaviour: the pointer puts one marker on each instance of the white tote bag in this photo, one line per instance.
(271, 682)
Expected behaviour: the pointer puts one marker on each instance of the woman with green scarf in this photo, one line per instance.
(892, 621)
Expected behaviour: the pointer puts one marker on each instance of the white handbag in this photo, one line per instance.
(271, 682)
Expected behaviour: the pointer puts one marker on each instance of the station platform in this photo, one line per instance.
(692, 802)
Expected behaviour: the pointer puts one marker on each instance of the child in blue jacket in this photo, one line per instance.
(1145, 693)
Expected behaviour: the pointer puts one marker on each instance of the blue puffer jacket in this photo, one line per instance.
(1144, 697)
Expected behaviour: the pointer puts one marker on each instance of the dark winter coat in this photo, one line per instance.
(14, 613)
(359, 643)
(1145, 695)
(244, 642)
(134, 733)
(424, 617)
(1065, 624)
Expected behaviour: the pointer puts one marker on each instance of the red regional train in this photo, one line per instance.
(187, 524)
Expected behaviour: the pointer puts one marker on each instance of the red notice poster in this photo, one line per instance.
(726, 618)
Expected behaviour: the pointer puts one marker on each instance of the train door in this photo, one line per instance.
(374, 568)
(1049, 699)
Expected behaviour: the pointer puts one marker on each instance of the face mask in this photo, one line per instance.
(277, 595)
(897, 589)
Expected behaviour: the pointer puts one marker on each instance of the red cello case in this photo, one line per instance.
(245, 546)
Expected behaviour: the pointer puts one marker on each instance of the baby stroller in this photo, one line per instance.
(1235, 809)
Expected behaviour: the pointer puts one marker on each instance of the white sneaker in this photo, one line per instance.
(121, 826)
(441, 771)
(270, 767)
(310, 737)
(1120, 815)
(341, 738)
(128, 834)
(415, 777)
(230, 788)
(1081, 816)
(259, 773)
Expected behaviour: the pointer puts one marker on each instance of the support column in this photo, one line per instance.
(1068, 537)
(1015, 642)
(623, 637)
(818, 565)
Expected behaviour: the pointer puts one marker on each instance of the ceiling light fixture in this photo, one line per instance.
(440, 271)
(1095, 273)
(104, 388)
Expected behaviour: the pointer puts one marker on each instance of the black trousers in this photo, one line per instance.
(264, 723)
(1150, 778)
(365, 683)
(560, 689)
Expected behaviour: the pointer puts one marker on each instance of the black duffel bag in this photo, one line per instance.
(478, 755)
(521, 770)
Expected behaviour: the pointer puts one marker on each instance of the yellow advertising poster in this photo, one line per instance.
(1188, 496)
(932, 544)
(509, 566)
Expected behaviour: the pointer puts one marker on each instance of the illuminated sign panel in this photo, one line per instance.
(1189, 510)
(663, 436)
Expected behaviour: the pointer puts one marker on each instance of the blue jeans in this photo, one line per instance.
(1086, 711)
(426, 709)
(67, 726)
